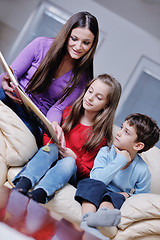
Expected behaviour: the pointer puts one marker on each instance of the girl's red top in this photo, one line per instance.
(75, 140)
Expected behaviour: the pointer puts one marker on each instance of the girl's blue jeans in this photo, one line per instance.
(42, 173)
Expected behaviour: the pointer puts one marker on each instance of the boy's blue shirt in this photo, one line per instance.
(107, 168)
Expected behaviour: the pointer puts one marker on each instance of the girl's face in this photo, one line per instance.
(79, 43)
(95, 98)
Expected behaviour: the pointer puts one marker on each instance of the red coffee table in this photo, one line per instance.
(32, 219)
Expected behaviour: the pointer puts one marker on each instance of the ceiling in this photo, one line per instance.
(143, 13)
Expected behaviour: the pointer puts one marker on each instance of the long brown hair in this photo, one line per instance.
(45, 73)
(103, 121)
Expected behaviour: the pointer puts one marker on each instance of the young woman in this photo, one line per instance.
(87, 126)
(54, 72)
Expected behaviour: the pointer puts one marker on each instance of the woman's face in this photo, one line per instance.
(79, 43)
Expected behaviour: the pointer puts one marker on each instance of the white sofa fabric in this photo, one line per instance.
(140, 213)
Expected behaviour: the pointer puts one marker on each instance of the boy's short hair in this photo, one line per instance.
(147, 130)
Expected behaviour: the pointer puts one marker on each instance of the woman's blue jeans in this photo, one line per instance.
(50, 178)
(23, 115)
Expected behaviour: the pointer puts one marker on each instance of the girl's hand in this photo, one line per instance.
(67, 152)
(60, 134)
(124, 153)
(8, 89)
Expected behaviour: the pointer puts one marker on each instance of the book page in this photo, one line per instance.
(31, 108)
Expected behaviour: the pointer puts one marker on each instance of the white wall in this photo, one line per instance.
(124, 44)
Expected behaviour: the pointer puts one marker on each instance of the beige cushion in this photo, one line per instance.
(109, 232)
(115, 130)
(12, 172)
(152, 158)
(17, 144)
(138, 208)
(143, 230)
(3, 171)
(64, 204)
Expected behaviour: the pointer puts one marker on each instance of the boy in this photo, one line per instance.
(116, 172)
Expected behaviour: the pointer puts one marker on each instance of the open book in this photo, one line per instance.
(31, 108)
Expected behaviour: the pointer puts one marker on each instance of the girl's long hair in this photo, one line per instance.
(103, 121)
(45, 73)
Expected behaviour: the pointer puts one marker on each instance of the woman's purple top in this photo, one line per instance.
(25, 65)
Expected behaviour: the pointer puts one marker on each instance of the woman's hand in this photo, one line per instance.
(67, 152)
(60, 134)
(9, 90)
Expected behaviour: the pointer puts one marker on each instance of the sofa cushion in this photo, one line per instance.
(17, 143)
(138, 208)
(64, 204)
(152, 158)
(143, 230)
(12, 172)
(3, 171)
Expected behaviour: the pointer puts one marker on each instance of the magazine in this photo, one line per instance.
(31, 108)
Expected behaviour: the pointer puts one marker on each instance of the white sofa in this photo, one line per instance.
(140, 213)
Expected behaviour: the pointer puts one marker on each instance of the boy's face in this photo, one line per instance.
(126, 137)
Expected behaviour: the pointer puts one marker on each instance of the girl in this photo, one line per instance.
(87, 126)
(54, 72)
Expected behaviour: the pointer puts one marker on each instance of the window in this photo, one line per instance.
(142, 93)
(46, 20)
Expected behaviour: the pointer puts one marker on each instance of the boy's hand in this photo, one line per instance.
(124, 153)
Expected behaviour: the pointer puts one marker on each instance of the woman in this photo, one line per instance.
(54, 72)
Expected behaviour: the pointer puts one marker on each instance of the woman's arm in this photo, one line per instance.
(20, 66)
(29, 58)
